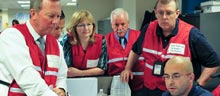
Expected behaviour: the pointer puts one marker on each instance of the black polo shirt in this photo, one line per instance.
(201, 51)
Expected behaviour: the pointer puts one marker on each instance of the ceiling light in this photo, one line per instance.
(73, 0)
(71, 4)
(25, 5)
(22, 2)
(4, 9)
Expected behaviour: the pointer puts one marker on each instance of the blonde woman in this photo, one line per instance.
(84, 49)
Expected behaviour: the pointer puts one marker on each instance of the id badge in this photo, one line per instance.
(158, 68)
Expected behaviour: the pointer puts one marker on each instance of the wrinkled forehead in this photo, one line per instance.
(168, 6)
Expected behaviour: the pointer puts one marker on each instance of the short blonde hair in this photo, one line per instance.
(167, 2)
(76, 18)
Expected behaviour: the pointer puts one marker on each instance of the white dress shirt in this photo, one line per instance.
(16, 63)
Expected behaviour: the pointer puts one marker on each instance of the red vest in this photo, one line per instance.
(117, 58)
(216, 91)
(48, 71)
(89, 58)
(153, 51)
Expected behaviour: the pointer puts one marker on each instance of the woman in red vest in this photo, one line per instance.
(84, 50)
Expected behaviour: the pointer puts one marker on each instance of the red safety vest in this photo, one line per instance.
(117, 58)
(49, 74)
(216, 91)
(153, 51)
(89, 58)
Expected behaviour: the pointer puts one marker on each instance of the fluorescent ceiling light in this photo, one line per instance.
(25, 5)
(22, 2)
(4, 9)
(73, 0)
(71, 4)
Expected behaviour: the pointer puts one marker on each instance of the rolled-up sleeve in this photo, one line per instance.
(62, 73)
(202, 51)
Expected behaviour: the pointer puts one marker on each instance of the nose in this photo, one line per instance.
(170, 81)
(86, 26)
(164, 15)
(56, 20)
(120, 26)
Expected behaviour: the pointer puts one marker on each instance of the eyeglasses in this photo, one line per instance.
(84, 25)
(167, 13)
(175, 76)
(118, 24)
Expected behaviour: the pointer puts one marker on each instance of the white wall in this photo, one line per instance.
(4, 20)
(101, 9)
(130, 7)
(22, 15)
(141, 7)
(68, 11)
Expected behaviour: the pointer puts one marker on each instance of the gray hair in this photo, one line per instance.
(37, 4)
(119, 11)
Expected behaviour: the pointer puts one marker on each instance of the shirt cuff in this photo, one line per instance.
(49, 93)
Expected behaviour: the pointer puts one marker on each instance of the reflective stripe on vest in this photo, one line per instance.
(37, 68)
(149, 66)
(141, 58)
(51, 73)
(16, 90)
(117, 59)
(152, 51)
(159, 53)
(122, 59)
(138, 73)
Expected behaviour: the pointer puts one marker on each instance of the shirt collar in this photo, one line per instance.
(192, 91)
(126, 35)
(173, 33)
(34, 34)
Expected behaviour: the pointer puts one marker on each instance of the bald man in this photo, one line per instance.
(179, 78)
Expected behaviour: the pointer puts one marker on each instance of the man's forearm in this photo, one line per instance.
(132, 58)
(206, 73)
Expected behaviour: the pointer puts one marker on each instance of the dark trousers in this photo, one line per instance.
(147, 92)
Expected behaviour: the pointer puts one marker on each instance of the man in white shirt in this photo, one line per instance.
(25, 70)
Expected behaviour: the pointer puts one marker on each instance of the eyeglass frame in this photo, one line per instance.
(84, 25)
(166, 13)
(175, 76)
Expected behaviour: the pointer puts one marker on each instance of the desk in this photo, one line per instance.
(82, 86)
(104, 82)
(88, 86)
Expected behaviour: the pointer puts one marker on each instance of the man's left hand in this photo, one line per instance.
(59, 91)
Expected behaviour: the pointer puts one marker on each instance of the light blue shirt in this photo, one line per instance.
(126, 37)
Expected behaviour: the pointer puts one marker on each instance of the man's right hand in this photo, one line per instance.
(73, 72)
(125, 74)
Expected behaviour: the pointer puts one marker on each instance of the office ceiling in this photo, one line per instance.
(12, 4)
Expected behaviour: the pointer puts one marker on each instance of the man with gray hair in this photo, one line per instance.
(37, 66)
(119, 43)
